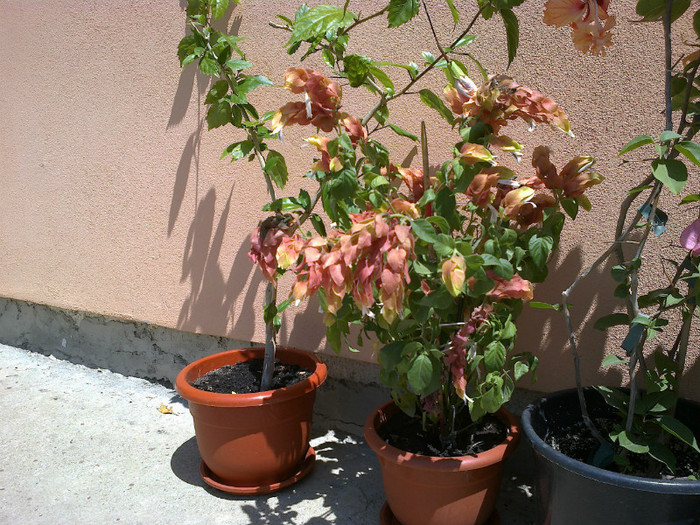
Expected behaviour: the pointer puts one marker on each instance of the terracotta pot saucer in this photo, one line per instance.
(210, 479)
(386, 517)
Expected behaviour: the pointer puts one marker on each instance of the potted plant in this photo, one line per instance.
(253, 436)
(636, 458)
(433, 264)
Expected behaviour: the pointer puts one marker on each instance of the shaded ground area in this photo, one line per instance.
(82, 445)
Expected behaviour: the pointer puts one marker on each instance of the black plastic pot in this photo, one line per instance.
(569, 492)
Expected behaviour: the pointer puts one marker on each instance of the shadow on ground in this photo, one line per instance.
(344, 487)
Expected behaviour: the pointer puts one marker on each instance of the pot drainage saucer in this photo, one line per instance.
(386, 517)
(213, 481)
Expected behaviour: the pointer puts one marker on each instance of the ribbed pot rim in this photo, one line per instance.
(663, 486)
(284, 354)
(446, 464)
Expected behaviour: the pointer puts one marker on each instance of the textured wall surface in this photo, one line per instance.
(114, 200)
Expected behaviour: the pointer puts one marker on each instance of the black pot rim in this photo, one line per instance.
(665, 486)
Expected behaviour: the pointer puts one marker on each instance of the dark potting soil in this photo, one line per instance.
(577, 442)
(406, 433)
(244, 377)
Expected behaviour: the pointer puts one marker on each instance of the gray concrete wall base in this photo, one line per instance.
(153, 352)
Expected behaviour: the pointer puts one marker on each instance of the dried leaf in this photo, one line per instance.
(165, 409)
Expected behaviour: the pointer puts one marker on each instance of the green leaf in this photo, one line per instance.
(611, 320)
(539, 248)
(520, 369)
(453, 10)
(512, 32)
(276, 168)
(494, 356)
(668, 136)
(631, 442)
(635, 143)
(696, 23)
(693, 197)
(679, 430)
(570, 207)
(209, 66)
(431, 100)
(318, 225)
(690, 150)
(465, 40)
(253, 82)
(318, 20)
(544, 306)
(238, 150)
(357, 69)
(237, 64)
(217, 91)
(671, 173)
(219, 114)
(218, 8)
(663, 454)
(651, 10)
(420, 374)
(422, 229)
(401, 11)
(390, 355)
(402, 132)
(612, 360)
(383, 78)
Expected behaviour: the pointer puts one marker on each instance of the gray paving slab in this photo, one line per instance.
(82, 445)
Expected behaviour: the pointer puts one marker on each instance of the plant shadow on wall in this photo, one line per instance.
(543, 328)
(340, 463)
(213, 294)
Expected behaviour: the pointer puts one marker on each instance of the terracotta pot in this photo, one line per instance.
(425, 490)
(253, 443)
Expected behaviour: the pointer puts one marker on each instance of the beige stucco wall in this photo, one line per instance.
(113, 199)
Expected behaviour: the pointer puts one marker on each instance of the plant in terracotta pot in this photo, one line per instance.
(637, 452)
(252, 408)
(433, 265)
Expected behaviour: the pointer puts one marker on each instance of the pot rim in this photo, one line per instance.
(445, 464)
(284, 354)
(665, 486)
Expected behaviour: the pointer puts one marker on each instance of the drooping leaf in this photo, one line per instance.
(401, 11)
(276, 168)
(219, 113)
(651, 10)
(679, 430)
(671, 173)
(402, 132)
(217, 91)
(539, 248)
(420, 374)
(431, 100)
(512, 33)
(690, 150)
(696, 23)
(494, 356)
(453, 10)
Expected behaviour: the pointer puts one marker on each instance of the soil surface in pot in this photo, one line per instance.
(244, 377)
(406, 433)
(577, 442)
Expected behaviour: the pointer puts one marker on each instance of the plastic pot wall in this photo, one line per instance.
(570, 492)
